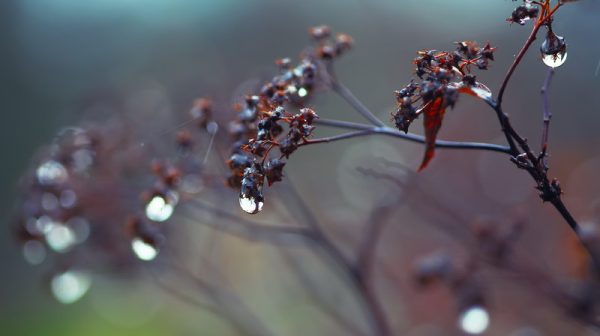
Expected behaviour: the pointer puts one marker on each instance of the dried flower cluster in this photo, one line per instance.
(525, 12)
(265, 123)
(443, 74)
(91, 179)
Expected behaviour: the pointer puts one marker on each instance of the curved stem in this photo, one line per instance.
(545, 16)
(513, 66)
(546, 114)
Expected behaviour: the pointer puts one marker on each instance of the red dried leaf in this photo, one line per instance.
(433, 115)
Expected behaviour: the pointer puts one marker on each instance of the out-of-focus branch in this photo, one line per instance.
(546, 115)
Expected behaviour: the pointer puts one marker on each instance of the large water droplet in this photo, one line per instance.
(555, 61)
(60, 237)
(554, 50)
(143, 250)
(70, 286)
(51, 173)
(474, 320)
(34, 252)
(250, 204)
(161, 207)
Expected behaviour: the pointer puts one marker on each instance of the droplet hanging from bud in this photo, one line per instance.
(143, 250)
(474, 320)
(251, 205)
(60, 237)
(51, 173)
(251, 197)
(554, 50)
(161, 206)
(70, 286)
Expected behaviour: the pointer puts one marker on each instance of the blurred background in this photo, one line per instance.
(61, 59)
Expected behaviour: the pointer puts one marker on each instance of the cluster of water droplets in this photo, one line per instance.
(47, 229)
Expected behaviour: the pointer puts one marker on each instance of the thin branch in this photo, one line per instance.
(372, 233)
(336, 137)
(532, 37)
(375, 314)
(387, 131)
(250, 230)
(349, 97)
(546, 114)
(229, 305)
(316, 292)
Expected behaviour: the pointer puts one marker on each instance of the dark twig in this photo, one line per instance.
(250, 230)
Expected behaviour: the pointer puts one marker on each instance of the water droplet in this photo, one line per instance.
(51, 173)
(161, 207)
(554, 61)
(143, 250)
(302, 92)
(60, 237)
(68, 199)
(49, 202)
(554, 50)
(212, 127)
(34, 252)
(292, 89)
(250, 204)
(82, 160)
(474, 320)
(70, 286)
(42, 225)
(80, 227)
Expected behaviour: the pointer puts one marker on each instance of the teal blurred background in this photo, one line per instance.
(56, 55)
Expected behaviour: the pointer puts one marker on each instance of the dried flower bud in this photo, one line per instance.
(343, 43)
(320, 32)
(523, 13)
(202, 111)
(274, 171)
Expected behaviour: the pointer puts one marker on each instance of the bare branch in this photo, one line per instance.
(369, 130)
(546, 114)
